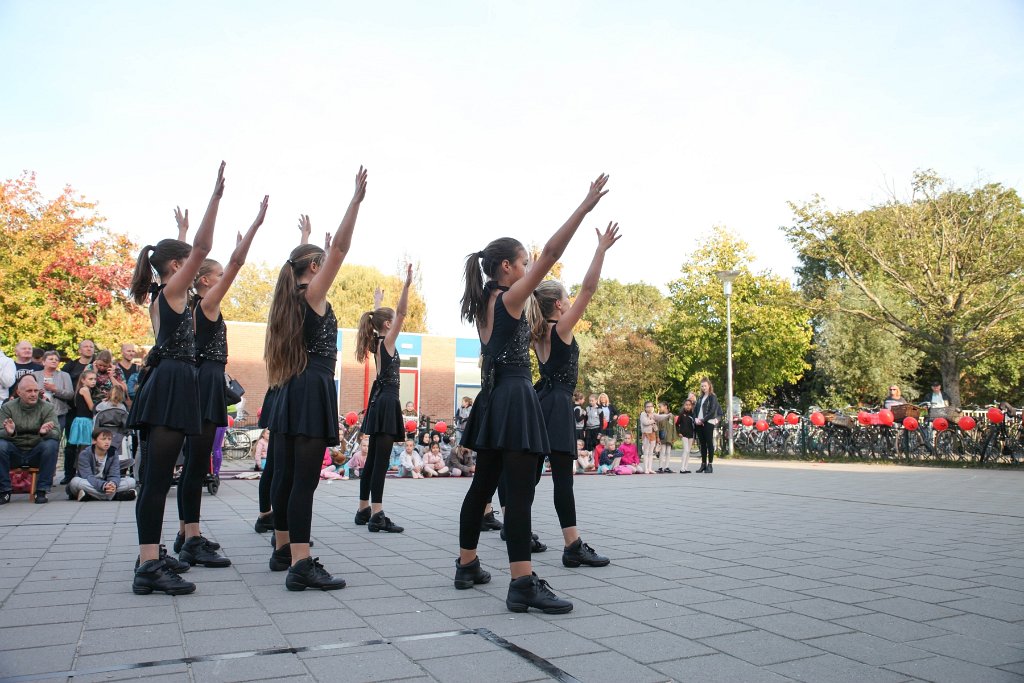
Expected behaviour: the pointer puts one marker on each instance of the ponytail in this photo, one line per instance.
(486, 262)
(541, 305)
(283, 349)
(142, 278)
(157, 259)
(370, 323)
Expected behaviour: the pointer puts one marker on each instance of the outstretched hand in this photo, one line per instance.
(261, 215)
(218, 188)
(305, 227)
(182, 220)
(360, 192)
(607, 240)
(378, 297)
(596, 192)
(408, 275)
(327, 241)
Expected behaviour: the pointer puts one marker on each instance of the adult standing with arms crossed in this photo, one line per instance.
(707, 414)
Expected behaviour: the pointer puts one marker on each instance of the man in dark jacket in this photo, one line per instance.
(30, 436)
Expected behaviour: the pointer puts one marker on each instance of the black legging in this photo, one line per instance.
(706, 437)
(267, 476)
(296, 476)
(563, 467)
(198, 449)
(371, 479)
(161, 453)
(520, 474)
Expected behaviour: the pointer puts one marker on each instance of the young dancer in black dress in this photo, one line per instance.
(552, 318)
(384, 423)
(211, 284)
(166, 407)
(506, 427)
(301, 353)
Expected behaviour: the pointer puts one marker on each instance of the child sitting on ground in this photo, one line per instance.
(630, 462)
(99, 476)
(433, 463)
(462, 462)
(410, 463)
(357, 462)
(334, 464)
(609, 455)
(584, 458)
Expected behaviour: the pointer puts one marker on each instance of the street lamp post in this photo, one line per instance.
(727, 276)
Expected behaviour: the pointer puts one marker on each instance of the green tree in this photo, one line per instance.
(65, 274)
(770, 328)
(951, 259)
(623, 307)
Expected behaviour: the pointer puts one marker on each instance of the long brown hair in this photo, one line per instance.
(474, 298)
(541, 305)
(283, 349)
(155, 258)
(370, 322)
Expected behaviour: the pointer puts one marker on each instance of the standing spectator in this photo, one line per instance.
(259, 451)
(108, 375)
(462, 462)
(462, 417)
(608, 414)
(708, 415)
(57, 386)
(99, 476)
(593, 423)
(649, 436)
(86, 351)
(433, 463)
(126, 364)
(687, 430)
(895, 398)
(23, 363)
(37, 355)
(936, 398)
(30, 436)
(579, 415)
(80, 431)
(8, 373)
(666, 438)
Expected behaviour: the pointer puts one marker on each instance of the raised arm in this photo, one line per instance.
(401, 308)
(569, 319)
(211, 302)
(305, 228)
(182, 220)
(179, 283)
(316, 293)
(515, 298)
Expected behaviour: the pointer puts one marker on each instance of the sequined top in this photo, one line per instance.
(177, 337)
(563, 364)
(211, 338)
(321, 333)
(388, 374)
(509, 345)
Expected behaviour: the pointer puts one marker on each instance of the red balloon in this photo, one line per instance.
(910, 423)
(793, 419)
(995, 415)
(817, 419)
(863, 417)
(747, 420)
(762, 426)
(231, 421)
(351, 417)
(967, 423)
(886, 417)
(410, 425)
(441, 427)
(940, 424)
(623, 420)
(778, 419)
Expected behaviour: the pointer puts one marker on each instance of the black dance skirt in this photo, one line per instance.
(384, 415)
(169, 398)
(213, 403)
(268, 401)
(307, 405)
(556, 407)
(507, 417)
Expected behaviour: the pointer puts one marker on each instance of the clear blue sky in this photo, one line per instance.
(482, 119)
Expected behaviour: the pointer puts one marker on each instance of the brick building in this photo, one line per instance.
(436, 371)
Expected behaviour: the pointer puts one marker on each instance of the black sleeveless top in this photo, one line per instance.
(211, 337)
(563, 364)
(177, 337)
(320, 333)
(388, 374)
(508, 350)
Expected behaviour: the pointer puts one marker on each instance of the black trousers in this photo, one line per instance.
(520, 475)
(706, 438)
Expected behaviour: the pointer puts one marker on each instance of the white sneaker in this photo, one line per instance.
(81, 495)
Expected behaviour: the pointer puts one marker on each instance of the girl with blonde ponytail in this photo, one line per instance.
(301, 352)
(552, 319)
(166, 407)
(506, 427)
(384, 424)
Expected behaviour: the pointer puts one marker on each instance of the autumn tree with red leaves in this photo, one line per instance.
(63, 274)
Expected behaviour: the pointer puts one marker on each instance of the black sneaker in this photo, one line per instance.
(309, 573)
(179, 541)
(66, 480)
(170, 561)
(535, 545)
(489, 523)
(197, 550)
(580, 553)
(379, 522)
(684, 472)
(128, 494)
(5, 498)
(281, 558)
(264, 523)
(532, 591)
(363, 516)
(153, 575)
(468, 575)
(41, 497)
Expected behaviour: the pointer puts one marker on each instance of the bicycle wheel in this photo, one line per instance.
(237, 443)
(916, 447)
(949, 446)
(862, 444)
(992, 446)
(837, 443)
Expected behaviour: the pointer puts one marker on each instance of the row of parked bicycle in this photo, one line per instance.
(905, 432)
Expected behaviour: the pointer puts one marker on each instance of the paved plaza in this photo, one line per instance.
(759, 572)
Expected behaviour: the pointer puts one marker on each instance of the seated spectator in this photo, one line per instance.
(895, 398)
(396, 455)
(630, 461)
(259, 451)
(358, 460)
(56, 386)
(23, 363)
(609, 455)
(334, 464)
(462, 462)
(584, 458)
(423, 447)
(30, 436)
(433, 463)
(410, 464)
(447, 444)
(98, 476)
(8, 373)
